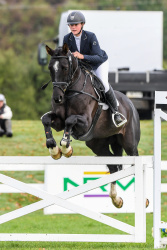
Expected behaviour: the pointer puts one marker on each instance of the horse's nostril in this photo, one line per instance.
(58, 100)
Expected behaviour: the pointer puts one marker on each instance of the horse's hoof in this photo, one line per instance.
(118, 205)
(67, 152)
(55, 153)
(147, 203)
(56, 157)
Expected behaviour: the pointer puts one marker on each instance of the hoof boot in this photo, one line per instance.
(55, 153)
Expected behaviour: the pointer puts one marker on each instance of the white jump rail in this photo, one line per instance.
(160, 98)
(10, 163)
(135, 233)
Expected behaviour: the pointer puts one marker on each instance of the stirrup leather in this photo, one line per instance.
(121, 123)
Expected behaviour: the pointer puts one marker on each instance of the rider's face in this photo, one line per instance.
(75, 28)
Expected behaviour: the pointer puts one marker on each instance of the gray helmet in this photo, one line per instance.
(75, 17)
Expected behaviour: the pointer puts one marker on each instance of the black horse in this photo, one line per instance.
(77, 109)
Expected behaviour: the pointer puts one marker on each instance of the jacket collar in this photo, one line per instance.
(83, 41)
(72, 42)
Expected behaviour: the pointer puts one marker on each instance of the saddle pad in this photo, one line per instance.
(105, 106)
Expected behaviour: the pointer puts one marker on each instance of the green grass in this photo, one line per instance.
(38, 223)
(29, 139)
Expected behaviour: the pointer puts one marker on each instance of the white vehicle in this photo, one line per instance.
(131, 39)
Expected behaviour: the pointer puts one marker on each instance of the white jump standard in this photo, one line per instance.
(160, 98)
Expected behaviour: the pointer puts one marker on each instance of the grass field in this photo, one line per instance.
(29, 140)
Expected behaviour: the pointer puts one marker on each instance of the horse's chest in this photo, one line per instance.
(60, 112)
(77, 107)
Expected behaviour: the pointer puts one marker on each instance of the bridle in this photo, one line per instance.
(64, 85)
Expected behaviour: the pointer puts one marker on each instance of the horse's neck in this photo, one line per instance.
(83, 82)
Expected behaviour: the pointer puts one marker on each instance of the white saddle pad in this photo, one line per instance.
(105, 106)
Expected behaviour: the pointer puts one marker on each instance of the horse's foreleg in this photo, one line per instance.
(66, 149)
(70, 122)
(54, 150)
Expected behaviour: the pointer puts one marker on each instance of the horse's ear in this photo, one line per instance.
(49, 50)
(65, 48)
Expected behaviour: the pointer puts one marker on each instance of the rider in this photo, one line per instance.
(84, 45)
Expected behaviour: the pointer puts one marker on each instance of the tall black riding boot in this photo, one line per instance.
(112, 103)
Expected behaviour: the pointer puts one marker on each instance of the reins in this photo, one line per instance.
(77, 92)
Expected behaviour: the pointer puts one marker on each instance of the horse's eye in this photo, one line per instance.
(65, 68)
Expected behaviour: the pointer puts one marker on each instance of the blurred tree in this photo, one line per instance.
(14, 84)
(23, 28)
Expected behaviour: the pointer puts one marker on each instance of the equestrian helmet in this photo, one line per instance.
(75, 17)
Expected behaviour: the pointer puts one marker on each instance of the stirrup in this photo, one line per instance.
(121, 123)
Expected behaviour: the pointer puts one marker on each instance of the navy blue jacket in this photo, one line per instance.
(93, 54)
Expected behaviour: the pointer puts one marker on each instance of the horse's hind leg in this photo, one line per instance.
(117, 150)
(101, 148)
(131, 149)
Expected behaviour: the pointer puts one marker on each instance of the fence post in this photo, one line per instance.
(140, 201)
(157, 177)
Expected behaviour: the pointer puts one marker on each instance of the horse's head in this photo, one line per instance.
(62, 68)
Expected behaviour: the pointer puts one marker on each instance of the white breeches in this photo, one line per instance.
(102, 73)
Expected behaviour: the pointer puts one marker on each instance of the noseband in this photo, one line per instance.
(70, 74)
